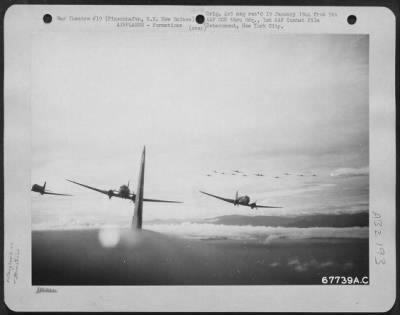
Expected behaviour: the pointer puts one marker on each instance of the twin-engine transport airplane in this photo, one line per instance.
(125, 193)
(242, 201)
(42, 190)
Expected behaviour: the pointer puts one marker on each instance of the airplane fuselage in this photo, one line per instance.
(38, 188)
(243, 200)
(123, 192)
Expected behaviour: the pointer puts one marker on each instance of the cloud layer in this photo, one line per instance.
(364, 171)
(260, 233)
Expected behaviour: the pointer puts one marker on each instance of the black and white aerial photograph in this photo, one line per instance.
(169, 158)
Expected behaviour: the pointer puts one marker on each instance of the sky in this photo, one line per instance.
(199, 102)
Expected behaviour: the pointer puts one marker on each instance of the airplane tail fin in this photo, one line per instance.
(44, 186)
(138, 212)
(237, 195)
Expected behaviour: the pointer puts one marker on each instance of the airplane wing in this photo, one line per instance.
(224, 199)
(265, 206)
(92, 188)
(51, 193)
(156, 200)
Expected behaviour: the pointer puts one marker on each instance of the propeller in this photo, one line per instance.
(237, 198)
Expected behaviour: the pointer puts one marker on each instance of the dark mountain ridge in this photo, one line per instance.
(360, 219)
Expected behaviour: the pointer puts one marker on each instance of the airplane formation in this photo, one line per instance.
(123, 192)
(241, 173)
(137, 198)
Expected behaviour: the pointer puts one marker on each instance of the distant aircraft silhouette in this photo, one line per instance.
(42, 190)
(240, 201)
(125, 193)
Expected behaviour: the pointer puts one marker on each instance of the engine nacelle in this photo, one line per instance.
(110, 193)
(253, 205)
